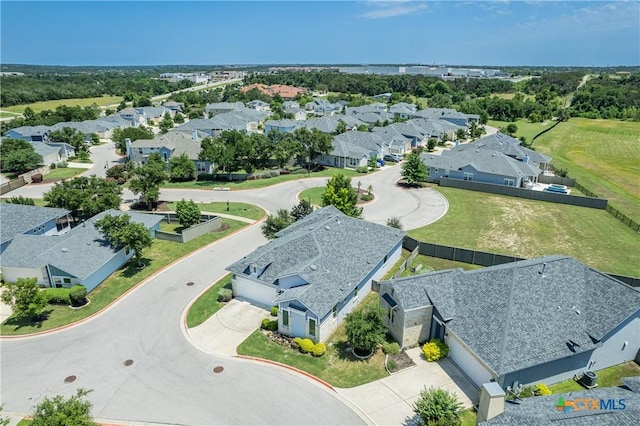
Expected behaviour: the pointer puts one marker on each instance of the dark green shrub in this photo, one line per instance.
(268, 324)
(57, 296)
(391, 365)
(366, 197)
(224, 295)
(78, 295)
(274, 311)
(362, 169)
(391, 348)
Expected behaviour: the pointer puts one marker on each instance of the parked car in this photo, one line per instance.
(392, 158)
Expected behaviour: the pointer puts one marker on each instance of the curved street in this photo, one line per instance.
(171, 381)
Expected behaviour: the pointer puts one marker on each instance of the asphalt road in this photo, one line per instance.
(169, 381)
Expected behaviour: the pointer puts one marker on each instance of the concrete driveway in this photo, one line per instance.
(227, 328)
(389, 401)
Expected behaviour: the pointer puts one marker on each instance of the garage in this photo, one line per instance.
(467, 362)
(258, 293)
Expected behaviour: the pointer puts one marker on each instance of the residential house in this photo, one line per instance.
(80, 256)
(216, 108)
(291, 104)
(171, 144)
(259, 105)
(323, 107)
(29, 133)
(402, 110)
(173, 106)
(317, 270)
(18, 219)
(48, 154)
(354, 149)
(102, 128)
(447, 114)
(383, 97)
(375, 108)
(153, 115)
(293, 107)
(397, 142)
(330, 124)
(133, 116)
(533, 321)
(65, 151)
(497, 159)
(244, 120)
(282, 126)
(618, 405)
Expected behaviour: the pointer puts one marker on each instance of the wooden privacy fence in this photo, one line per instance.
(474, 257)
(11, 185)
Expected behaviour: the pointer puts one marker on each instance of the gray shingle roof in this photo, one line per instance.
(526, 318)
(368, 140)
(487, 162)
(16, 219)
(541, 410)
(79, 252)
(505, 144)
(30, 130)
(43, 150)
(179, 142)
(330, 251)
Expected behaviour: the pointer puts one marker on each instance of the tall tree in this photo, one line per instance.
(85, 196)
(25, 298)
(134, 133)
(301, 210)
(365, 329)
(413, 169)
(18, 156)
(148, 179)
(166, 123)
(61, 411)
(123, 233)
(181, 168)
(283, 147)
(72, 137)
(188, 213)
(340, 194)
(312, 143)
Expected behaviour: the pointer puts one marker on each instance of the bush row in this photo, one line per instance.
(268, 324)
(75, 296)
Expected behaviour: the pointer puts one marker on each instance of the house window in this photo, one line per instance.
(391, 314)
(334, 311)
(312, 327)
(67, 280)
(139, 150)
(285, 318)
(468, 176)
(509, 182)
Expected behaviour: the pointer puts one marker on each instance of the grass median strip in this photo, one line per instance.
(207, 304)
(236, 209)
(159, 255)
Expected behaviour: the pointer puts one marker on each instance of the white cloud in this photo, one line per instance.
(390, 9)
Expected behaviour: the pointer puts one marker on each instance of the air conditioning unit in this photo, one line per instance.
(589, 379)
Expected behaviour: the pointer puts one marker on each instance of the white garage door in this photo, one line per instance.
(259, 293)
(467, 362)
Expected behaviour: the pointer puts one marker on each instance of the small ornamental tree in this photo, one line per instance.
(148, 178)
(301, 210)
(276, 223)
(340, 194)
(25, 298)
(437, 407)
(413, 169)
(61, 411)
(182, 168)
(365, 329)
(188, 213)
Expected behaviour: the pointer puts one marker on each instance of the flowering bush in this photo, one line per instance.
(435, 349)
(319, 349)
(541, 390)
(306, 345)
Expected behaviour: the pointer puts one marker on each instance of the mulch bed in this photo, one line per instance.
(401, 360)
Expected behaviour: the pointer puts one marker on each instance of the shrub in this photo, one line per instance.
(52, 166)
(394, 222)
(274, 311)
(541, 390)
(391, 348)
(438, 407)
(435, 349)
(206, 177)
(57, 296)
(366, 197)
(362, 169)
(306, 346)
(78, 295)
(63, 164)
(37, 178)
(268, 324)
(319, 349)
(391, 365)
(224, 295)
(295, 343)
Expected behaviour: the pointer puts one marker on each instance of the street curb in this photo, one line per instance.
(288, 367)
(116, 301)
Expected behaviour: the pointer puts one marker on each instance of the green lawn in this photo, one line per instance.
(469, 417)
(261, 183)
(603, 155)
(36, 201)
(529, 228)
(207, 304)
(313, 195)
(174, 227)
(158, 256)
(607, 377)
(336, 366)
(430, 264)
(62, 173)
(6, 114)
(525, 127)
(51, 105)
(237, 209)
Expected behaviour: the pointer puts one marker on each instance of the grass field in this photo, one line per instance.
(237, 209)
(158, 256)
(260, 183)
(528, 228)
(525, 128)
(51, 105)
(603, 155)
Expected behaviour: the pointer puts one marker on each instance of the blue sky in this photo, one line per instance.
(580, 33)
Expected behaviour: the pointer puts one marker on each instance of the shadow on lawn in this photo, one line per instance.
(18, 323)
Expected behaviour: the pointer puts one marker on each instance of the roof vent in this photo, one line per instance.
(313, 267)
(327, 227)
(64, 249)
(544, 266)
